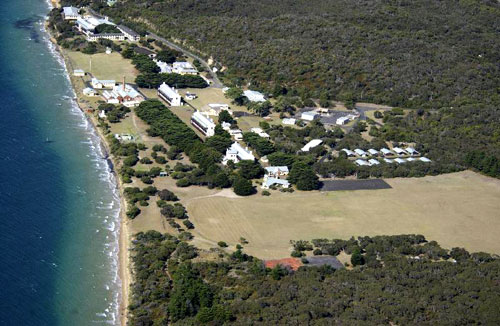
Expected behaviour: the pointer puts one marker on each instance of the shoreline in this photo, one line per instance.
(124, 270)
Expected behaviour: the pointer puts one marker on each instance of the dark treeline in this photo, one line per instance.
(206, 155)
(401, 280)
(402, 53)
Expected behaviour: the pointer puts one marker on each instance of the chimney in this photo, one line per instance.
(123, 83)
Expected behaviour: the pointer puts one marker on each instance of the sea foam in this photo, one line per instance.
(110, 210)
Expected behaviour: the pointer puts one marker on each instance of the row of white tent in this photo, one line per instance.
(398, 160)
(396, 151)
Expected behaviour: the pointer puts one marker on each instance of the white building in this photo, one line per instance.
(105, 36)
(97, 83)
(165, 68)
(123, 94)
(184, 68)
(399, 151)
(216, 108)
(342, 120)
(124, 137)
(70, 13)
(269, 182)
(386, 152)
(412, 151)
(348, 152)
(88, 91)
(190, 96)
(131, 35)
(360, 162)
(309, 115)
(169, 95)
(203, 124)
(237, 153)
(78, 73)
(360, 152)
(87, 24)
(236, 133)
(225, 125)
(313, 143)
(277, 171)
(254, 96)
(288, 121)
(260, 132)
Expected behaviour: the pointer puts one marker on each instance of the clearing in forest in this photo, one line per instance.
(459, 209)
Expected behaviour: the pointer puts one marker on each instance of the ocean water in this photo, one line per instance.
(58, 200)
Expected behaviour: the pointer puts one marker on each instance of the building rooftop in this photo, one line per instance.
(276, 169)
(203, 120)
(272, 181)
(288, 121)
(168, 91)
(360, 151)
(399, 150)
(141, 50)
(310, 113)
(348, 152)
(313, 143)
(254, 96)
(127, 30)
(361, 162)
(70, 11)
(243, 153)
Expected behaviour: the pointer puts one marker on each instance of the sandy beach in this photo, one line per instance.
(124, 237)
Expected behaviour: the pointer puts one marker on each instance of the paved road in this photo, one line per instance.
(215, 80)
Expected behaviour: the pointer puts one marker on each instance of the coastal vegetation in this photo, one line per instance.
(393, 281)
(435, 58)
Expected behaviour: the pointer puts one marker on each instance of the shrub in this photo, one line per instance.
(147, 180)
(243, 187)
(159, 148)
(130, 160)
(161, 203)
(357, 258)
(188, 224)
(184, 182)
(150, 190)
(133, 212)
(161, 160)
(167, 195)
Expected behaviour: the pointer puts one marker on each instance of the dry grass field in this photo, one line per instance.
(460, 209)
(104, 66)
